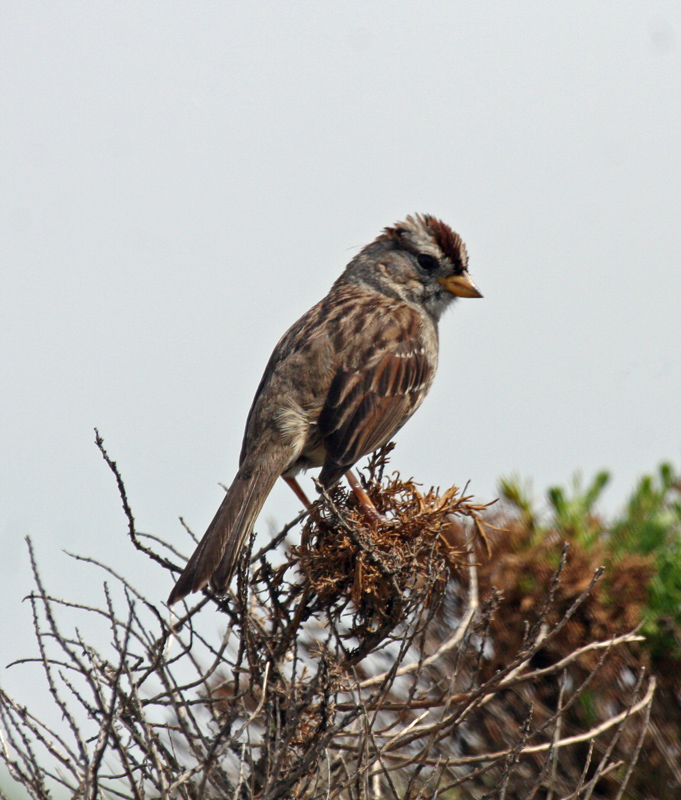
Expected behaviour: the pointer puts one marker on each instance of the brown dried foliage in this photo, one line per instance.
(375, 566)
(520, 570)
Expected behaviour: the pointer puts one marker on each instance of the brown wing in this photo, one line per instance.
(366, 406)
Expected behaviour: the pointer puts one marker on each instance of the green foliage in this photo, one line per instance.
(527, 583)
(652, 515)
(519, 496)
(649, 526)
(588, 706)
(574, 516)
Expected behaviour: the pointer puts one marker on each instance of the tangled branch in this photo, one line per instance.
(357, 668)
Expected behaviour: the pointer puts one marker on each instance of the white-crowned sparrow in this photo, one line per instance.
(342, 381)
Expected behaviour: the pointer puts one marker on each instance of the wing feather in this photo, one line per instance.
(366, 406)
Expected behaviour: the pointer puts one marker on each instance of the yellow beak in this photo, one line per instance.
(460, 285)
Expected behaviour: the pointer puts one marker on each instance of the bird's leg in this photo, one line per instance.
(364, 500)
(298, 491)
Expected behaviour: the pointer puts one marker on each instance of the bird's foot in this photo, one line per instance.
(372, 514)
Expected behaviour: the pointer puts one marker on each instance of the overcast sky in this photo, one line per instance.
(180, 181)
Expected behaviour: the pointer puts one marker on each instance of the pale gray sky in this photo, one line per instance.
(180, 181)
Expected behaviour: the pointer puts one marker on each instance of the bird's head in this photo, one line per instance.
(420, 260)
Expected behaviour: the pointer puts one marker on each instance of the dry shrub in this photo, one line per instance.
(389, 660)
(406, 555)
(522, 570)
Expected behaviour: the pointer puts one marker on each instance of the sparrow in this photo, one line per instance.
(341, 381)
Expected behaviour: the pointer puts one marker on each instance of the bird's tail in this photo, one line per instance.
(217, 554)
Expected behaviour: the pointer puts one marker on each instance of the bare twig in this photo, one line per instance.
(358, 668)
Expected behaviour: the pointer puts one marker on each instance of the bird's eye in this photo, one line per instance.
(426, 262)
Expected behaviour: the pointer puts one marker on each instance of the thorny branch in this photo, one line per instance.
(357, 668)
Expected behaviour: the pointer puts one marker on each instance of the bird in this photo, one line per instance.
(341, 381)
